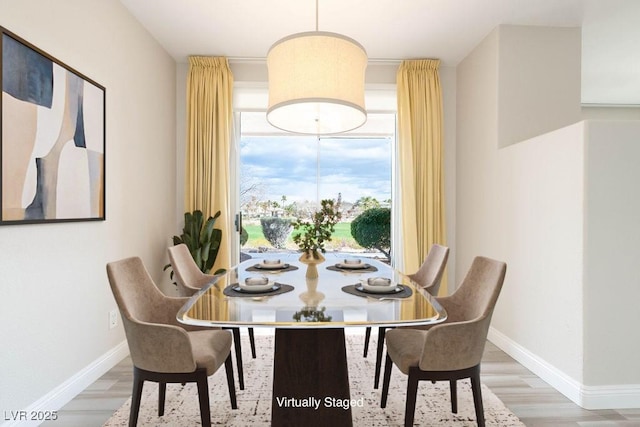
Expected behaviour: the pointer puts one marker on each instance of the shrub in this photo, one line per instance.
(372, 230)
(244, 236)
(276, 230)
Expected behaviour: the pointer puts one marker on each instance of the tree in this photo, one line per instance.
(251, 188)
(372, 230)
(365, 203)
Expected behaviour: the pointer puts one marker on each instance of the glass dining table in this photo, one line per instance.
(310, 375)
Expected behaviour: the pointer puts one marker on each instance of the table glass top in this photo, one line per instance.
(295, 301)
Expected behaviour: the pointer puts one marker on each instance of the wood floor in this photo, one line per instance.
(526, 395)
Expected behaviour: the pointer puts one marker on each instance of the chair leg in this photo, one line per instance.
(238, 349)
(454, 396)
(162, 392)
(136, 396)
(376, 379)
(367, 336)
(477, 396)
(228, 367)
(252, 342)
(388, 365)
(199, 376)
(203, 398)
(412, 391)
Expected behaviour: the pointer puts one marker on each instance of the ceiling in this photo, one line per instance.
(404, 29)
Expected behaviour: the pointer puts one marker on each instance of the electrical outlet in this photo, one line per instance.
(113, 319)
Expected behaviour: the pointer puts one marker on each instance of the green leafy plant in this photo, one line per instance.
(311, 314)
(244, 236)
(202, 239)
(311, 235)
(372, 230)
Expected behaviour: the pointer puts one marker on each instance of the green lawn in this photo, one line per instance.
(341, 237)
(343, 231)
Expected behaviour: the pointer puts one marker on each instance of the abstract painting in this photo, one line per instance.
(52, 140)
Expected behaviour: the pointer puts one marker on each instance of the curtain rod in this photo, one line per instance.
(259, 60)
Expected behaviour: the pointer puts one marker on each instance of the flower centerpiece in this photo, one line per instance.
(311, 235)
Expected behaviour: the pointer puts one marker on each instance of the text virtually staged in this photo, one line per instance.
(316, 402)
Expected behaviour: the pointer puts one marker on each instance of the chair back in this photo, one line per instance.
(478, 293)
(430, 273)
(135, 292)
(187, 273)
(153, 344)
(459, 342)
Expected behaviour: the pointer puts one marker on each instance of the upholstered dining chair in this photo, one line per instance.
(190, 279)
(429, 277)
(451, 350)
(162, 350)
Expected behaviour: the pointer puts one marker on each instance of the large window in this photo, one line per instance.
(284, 176)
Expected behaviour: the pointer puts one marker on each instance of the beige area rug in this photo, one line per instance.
(254, 403)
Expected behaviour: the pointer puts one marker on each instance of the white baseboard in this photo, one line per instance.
(61, 395)
(623, 396)
(618, 396)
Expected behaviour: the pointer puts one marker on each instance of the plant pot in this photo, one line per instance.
(311, 297)
(312, 259)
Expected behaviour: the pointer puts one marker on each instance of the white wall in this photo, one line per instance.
(571, 217)
(55, 295)
(539, 67)
(476, 132)
(561, 209)
(501, 211)
(603, 112)
(612, 251)
(540, 224)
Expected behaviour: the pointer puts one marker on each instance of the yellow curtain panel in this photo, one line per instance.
(420, 144)
(209, 133)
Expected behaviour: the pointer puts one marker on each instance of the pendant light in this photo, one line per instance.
(316, 83)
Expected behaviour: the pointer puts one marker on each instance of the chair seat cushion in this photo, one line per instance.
(405, 346)
(210, 348)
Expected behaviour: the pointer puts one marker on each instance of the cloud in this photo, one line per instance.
(288, 166)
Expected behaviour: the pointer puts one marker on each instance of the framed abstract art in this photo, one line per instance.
(52, 138)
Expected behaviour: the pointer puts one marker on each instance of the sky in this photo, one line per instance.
(287, 165)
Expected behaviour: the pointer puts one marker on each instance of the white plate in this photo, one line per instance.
(392, 288)
(264, 266)
(352, 266)
(256, 288)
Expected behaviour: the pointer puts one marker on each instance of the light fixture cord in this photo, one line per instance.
(316, 15)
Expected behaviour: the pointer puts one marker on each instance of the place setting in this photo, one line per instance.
(352, 265)
(272, 266)
(256, 286)
(378, 288)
